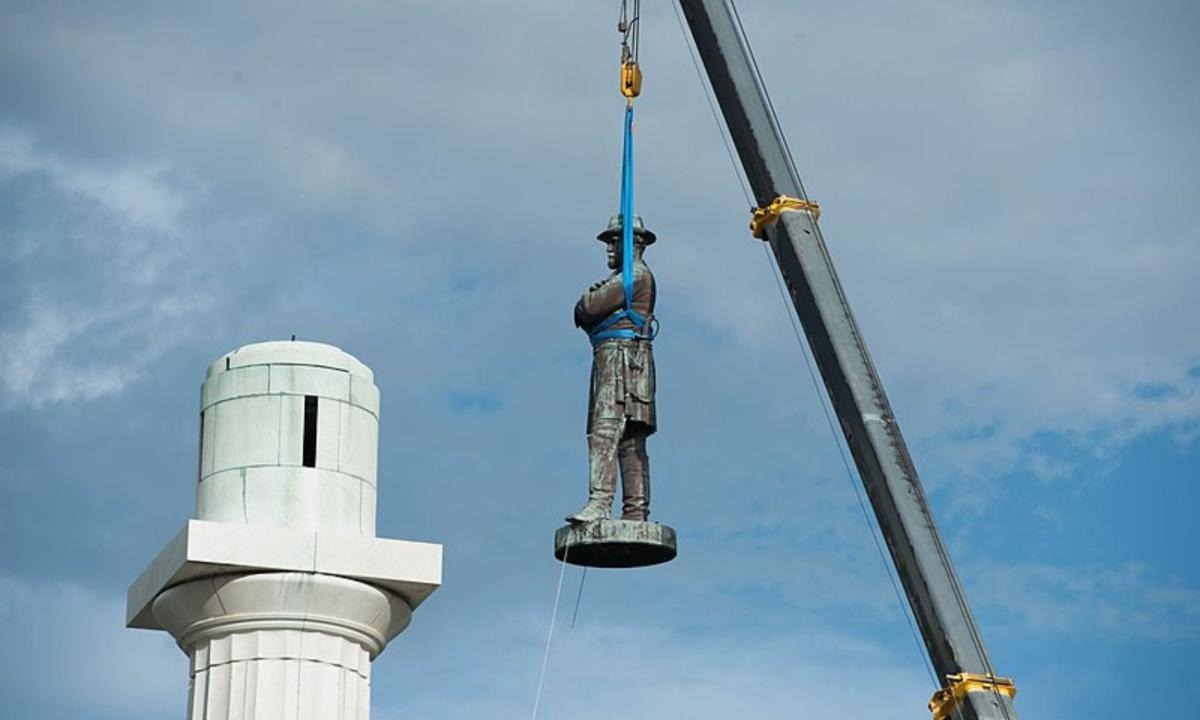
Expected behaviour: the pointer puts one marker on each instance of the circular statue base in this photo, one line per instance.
(615, 544)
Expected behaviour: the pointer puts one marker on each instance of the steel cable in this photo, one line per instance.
(943, 555)
(791, 316)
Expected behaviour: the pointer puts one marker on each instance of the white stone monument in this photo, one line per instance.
(279, 592)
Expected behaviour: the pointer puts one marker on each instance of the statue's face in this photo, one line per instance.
(614, 254)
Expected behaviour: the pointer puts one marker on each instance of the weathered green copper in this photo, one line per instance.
(621, 406)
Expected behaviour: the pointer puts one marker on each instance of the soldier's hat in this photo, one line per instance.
(640, 233)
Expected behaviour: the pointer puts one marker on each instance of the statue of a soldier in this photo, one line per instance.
(621, 412)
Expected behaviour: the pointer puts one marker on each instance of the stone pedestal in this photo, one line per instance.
(615, 543)
(280, 593)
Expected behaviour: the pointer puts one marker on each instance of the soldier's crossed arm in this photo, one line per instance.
(598, 303)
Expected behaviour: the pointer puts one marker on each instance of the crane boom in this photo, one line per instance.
(935, 595)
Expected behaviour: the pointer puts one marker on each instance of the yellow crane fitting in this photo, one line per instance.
(766, 217)
(945, 701)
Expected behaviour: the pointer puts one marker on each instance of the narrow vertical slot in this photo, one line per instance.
(310, 431)
(200, 454)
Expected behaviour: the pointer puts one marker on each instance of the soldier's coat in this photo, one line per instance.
(623, 382)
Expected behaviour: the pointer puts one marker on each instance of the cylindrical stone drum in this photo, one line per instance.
(289, 436)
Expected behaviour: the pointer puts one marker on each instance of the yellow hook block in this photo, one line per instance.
(631, 79)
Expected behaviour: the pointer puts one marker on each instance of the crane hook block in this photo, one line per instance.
(765, 217)
(631, 79)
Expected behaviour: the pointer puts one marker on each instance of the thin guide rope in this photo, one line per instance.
(578, 597)
(537, 700)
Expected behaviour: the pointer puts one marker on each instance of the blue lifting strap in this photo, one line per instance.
(602, 332)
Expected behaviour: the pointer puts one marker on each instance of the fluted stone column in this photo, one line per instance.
(279, 591)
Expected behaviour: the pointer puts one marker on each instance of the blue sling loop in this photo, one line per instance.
(602, 331)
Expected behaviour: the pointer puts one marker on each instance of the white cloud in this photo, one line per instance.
(24, 353)
(53, 355)
(1013, 227)
(139, 195)
(964, 182)
(103, 278)
(1124, 601)
(1011, 215)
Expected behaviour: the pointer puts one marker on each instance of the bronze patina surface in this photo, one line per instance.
(621, 416)
(621, 406)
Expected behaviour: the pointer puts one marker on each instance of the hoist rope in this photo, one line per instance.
(631, 30)
(837, 440)
(537, 699)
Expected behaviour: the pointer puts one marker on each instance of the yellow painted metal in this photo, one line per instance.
(945, 701)
(765, 217)
(631, 79)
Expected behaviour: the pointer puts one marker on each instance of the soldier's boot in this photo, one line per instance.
(602, 470)
(635, 477)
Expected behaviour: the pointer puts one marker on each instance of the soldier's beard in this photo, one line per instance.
(614, 258)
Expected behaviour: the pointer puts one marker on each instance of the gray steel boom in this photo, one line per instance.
(872, 433)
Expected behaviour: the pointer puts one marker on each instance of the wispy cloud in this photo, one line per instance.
(1124, 601)
(101, 283)
(1009, 194)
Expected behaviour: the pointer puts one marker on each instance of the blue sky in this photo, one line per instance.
(1008, 191)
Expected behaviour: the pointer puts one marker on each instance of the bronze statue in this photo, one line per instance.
(621, 412)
